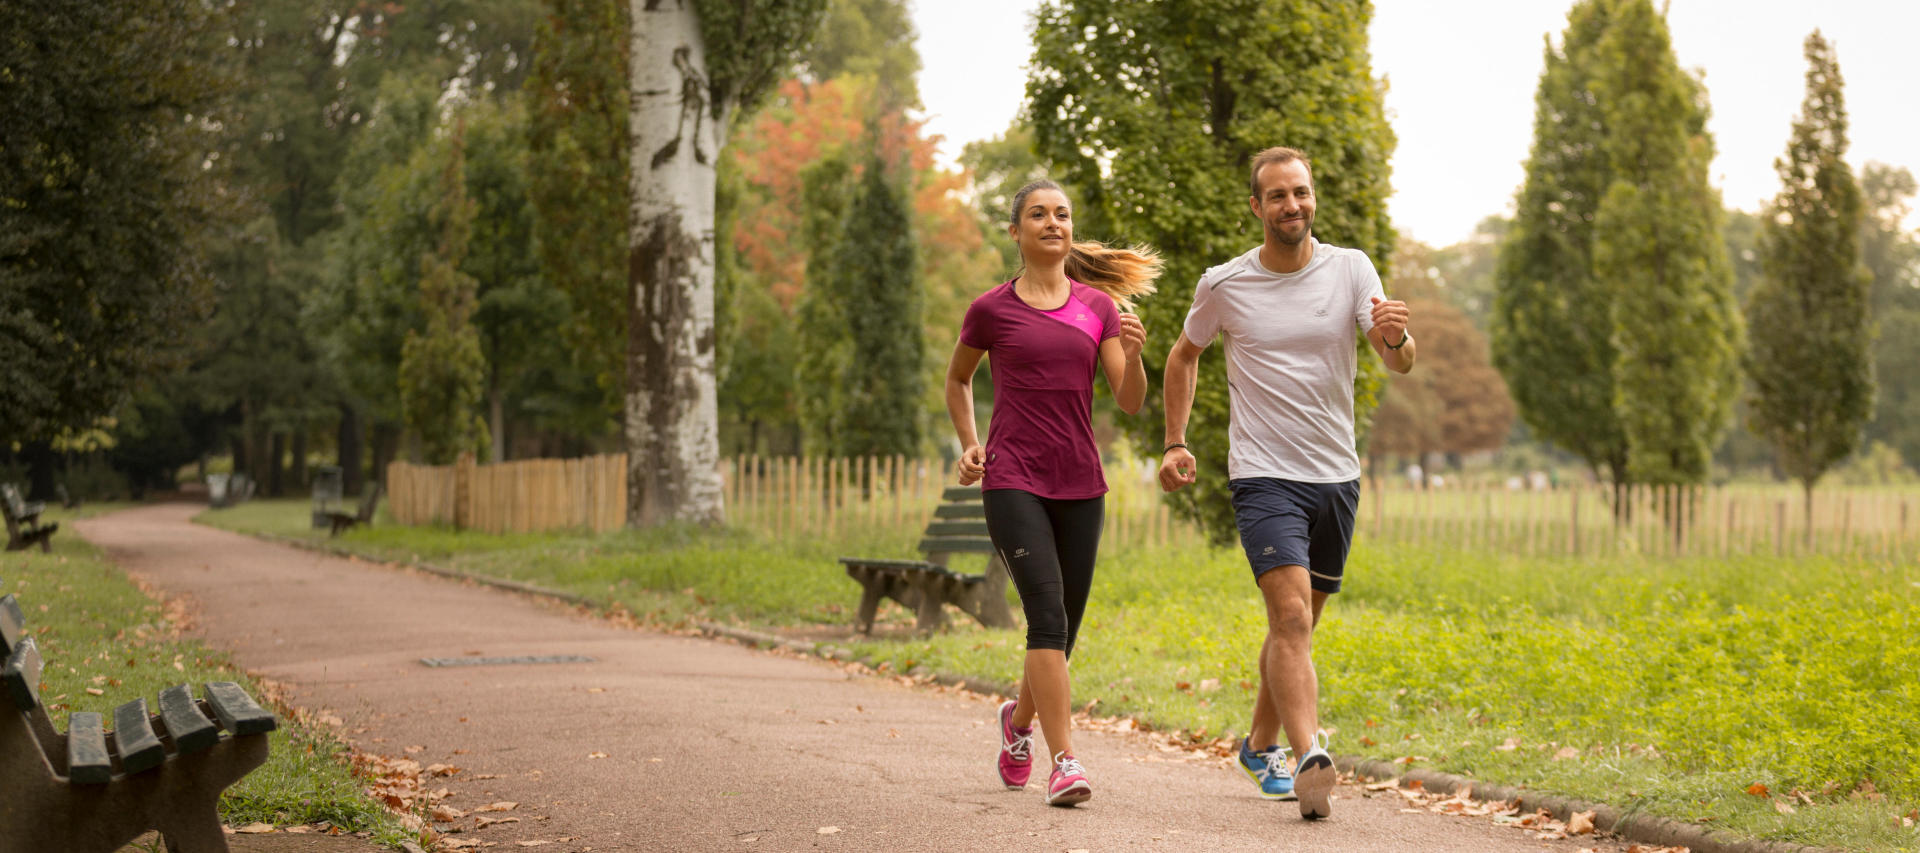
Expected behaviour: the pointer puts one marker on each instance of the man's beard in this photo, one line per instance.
(1306, 231)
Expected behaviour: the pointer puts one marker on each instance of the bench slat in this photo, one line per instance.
(13, 624)
(21, 678)
(237, 711)
(961, 493)
(957, 528)
(140, 748)
(87, 759)
(190, 728)
(960, 511)
(956, 545)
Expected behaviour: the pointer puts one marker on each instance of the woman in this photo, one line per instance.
(1048, 330)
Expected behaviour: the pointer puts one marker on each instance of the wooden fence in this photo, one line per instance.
(824, 496)
(513, 497)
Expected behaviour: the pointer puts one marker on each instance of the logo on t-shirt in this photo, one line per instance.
(1320, 313)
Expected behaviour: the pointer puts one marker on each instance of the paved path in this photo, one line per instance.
(707, 745)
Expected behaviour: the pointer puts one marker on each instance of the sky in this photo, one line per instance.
(1461, 77)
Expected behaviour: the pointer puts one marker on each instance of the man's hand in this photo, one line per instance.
(1133, 336)
(1177, 469)
(1390, 317)
(972, 465)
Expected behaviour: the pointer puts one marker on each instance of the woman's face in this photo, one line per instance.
(1044, 231)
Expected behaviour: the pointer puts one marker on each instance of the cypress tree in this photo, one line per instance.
(1810, 362)
(875, 268)
(442, 368)
(1551, 336)
(1657, 245)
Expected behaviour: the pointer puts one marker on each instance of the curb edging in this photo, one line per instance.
(1626, 824)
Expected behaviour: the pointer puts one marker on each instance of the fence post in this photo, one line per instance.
(463, 491)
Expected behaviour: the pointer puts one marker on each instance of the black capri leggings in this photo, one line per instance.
(1049, 547)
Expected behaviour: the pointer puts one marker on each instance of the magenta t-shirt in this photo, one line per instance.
(1040, 439)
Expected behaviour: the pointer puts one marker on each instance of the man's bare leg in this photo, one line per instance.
(1289, 697)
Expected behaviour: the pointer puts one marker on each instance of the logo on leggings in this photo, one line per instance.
(1019, 552)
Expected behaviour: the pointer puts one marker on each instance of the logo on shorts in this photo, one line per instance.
(1267, 552)
(1019, 552)
(1079, 317)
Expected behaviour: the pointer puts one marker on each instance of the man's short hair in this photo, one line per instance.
(1276, 154)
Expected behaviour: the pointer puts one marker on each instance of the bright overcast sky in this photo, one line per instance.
(1462, 75)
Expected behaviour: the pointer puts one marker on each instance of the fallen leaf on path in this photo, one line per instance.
(255, 828)
(482, 821)
(447, 814)
(1384, 785)
(826, 830)
(1581, 823)
(532, 843)
(416, 750)
(596, 755)
(462, 843)
(497, 807)
(442, 770)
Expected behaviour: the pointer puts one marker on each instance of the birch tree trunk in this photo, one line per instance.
(672, 411)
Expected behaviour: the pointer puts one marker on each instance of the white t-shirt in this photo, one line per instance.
(1290, 359)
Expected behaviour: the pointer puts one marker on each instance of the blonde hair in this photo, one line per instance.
(1123, 274)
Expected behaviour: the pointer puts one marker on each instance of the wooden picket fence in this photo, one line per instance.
(788, 495)
(513, 497)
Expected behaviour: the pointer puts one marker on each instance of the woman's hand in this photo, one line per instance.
(972, 465)
(1133, 336)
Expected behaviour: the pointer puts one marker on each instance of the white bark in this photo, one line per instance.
(672, 410)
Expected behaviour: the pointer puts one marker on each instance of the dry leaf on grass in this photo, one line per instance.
(1782, 807)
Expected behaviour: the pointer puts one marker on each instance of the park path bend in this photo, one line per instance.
(707, 745)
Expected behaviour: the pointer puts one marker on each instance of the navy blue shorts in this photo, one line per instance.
(1289, 523)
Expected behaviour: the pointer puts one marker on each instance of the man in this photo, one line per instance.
(1288, 311)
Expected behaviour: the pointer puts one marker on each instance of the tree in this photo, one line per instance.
(1892, 253)
(579, 140)
(1456, 403)
(872, 38)
(109, 204)
(1154, 111)
(442, 368)
(876, 267)
(1810, 364)
(1552, 338)
(1614, 323)
(1657, 245)
(692, 66)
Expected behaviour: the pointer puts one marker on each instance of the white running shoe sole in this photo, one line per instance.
(1076, 793)
(1314, 787)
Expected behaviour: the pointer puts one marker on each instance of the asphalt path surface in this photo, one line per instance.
(665, 742)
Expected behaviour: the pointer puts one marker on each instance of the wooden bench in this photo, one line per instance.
(341, 521)
(91, 791)
(924, 586)
(23, 521)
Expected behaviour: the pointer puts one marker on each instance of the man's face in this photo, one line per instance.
(1285, 202)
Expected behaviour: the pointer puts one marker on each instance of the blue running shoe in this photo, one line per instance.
(1313, 780)
(1268, 768)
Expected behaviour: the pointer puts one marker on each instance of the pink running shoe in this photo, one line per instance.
(1016, 749)
(1069, 783)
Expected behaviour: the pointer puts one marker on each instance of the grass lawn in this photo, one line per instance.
(1673, 687)
(106, 643)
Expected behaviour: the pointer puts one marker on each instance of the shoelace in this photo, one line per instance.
(1276, 759)
(1067, 765)
(1021, 747)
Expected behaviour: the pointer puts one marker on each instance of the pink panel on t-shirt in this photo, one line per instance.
(1076, 314)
